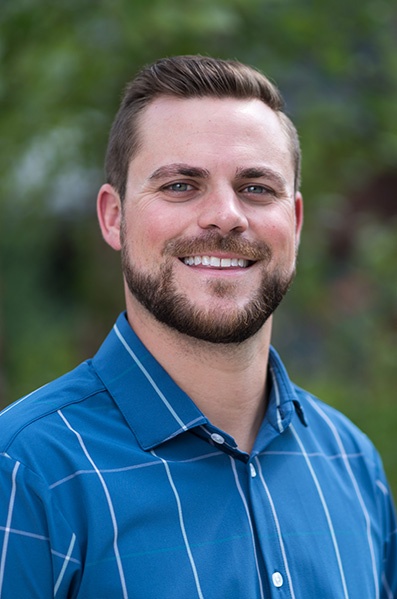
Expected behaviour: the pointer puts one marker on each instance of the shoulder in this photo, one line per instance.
(319, 411)
(337, 435)
(343, 450)
(35, 410)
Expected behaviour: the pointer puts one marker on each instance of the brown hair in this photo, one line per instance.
(187, 77)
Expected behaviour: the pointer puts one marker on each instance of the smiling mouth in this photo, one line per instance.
(215, 262)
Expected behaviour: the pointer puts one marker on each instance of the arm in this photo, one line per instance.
(39, 552)
(389, 575)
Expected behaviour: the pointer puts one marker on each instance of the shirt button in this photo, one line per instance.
(277, 579)
(217, 438)
(253, 471)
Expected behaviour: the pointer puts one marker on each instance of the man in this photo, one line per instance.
(181, 461)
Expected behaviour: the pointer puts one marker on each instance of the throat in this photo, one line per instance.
(234, 397)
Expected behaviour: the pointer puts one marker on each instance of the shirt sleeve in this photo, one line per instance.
(387, 507)
(39, 551)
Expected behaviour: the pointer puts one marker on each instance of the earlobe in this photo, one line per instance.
(109, 215)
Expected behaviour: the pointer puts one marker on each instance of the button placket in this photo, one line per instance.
(271, 553)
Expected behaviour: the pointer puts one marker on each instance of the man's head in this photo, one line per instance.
(188, 77)
(201, 198)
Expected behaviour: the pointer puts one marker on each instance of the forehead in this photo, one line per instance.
(204, 111)
(172, 129)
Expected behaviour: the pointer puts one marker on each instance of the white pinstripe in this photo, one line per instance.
(380, 485)
(387, 587)
(149, 378)
(128, 468)
(313, 454)
(63, 556)
(240, 490)
(8, 524)
(278, 401)
(109, 501)
(102, 471)
(16, 403)
(65, 564)
(182, 525)
(25, 533)
(326, 511)
(183, 428)
(277, 523)
(357, 490)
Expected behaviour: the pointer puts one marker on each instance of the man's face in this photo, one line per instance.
(210, 223)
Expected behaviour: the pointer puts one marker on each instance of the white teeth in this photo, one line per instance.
(215, 262)
(226, 262)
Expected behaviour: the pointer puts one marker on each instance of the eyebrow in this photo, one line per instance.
(174, 170)
(187, 170)
(259, 173)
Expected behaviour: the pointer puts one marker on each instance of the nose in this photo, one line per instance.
(222, 210)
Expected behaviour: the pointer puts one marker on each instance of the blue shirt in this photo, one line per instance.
(114, 484)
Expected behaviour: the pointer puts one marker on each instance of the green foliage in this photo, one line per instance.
(62, 68)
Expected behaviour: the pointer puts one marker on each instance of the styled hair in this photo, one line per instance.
(187, 77)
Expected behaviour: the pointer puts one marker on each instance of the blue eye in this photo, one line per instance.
(256, 189)
(179, 187)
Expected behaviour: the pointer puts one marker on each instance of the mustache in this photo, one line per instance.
(213, 241)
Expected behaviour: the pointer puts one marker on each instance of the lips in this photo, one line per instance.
(215, 251)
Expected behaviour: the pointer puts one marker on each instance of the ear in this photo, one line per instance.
(109, 215)
(298, 216)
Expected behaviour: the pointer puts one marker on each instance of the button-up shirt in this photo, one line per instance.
(114, 484)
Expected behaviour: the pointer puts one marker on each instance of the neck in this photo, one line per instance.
(226, 381)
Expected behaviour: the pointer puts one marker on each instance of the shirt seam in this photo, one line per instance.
(53, 410)
(48, 489)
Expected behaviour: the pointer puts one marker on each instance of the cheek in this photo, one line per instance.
(145, 239)
(278, 230)
(281, 237)
(154, 227)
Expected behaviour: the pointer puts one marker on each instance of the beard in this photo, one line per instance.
(159, 294)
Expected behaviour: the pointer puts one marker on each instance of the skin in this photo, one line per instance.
(237, 179)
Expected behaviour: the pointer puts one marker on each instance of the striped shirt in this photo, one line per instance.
(114, 484)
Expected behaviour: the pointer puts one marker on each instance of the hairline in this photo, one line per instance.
(189, 77)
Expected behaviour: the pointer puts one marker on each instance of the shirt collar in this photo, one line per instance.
(153, 405)
(283, 400)
(155, 408)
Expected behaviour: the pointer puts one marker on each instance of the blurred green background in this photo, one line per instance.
(63, 66)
